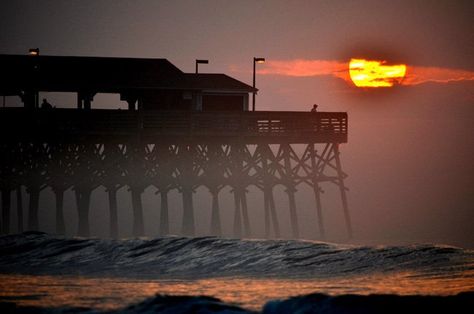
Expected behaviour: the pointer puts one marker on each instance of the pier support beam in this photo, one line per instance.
(276, 224)
(215, 215)
(6, 203)
(245, 214)
(164, 214)
(19, 208)
(186, 155)
(319, 210)
(241, 214)
(138, 227)
(317, 191)
(83, 196)
(271, 217)
(188, 211)
(268, 182)
(342, 189)
(290, 189)
(33, 206)
(113, 226)
(237, 215)
(60, 226)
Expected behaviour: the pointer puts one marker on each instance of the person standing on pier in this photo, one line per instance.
(46, 105)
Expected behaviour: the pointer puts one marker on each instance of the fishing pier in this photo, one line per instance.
(181, 131)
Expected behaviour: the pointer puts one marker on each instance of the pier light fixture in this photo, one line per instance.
(34, 52)
(200, 61)
(255, 61)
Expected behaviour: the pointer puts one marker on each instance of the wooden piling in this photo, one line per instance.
(317, 191)
(113, 225)
(33, 206)
(290, 190)
(138, 225)
(19, 209)
(6, 203)
(245, 215)
(237, 215)
(188, 211)
(342, 189)
(60, 226)
(83, 203)
(164, 215)
(215, 215)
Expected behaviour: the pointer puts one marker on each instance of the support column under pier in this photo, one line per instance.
(317, 191)
(83, 202)
(164, 215)
(241, 217)
(33, 222)
(237, 215)
(319, 209)
(6, 203)
(271, 217)
(290, 190)
(60, 226)
(188, 211)
(113, 228)
(342, 189)
(138, 227)
(245, 214)
(19, 208)
(215, 215)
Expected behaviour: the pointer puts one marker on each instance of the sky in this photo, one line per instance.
(410, 150)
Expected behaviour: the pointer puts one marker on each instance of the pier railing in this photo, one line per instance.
(260, 126)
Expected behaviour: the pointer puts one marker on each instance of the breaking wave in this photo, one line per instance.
(182, 257)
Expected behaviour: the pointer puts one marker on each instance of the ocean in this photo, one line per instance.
(46, 273)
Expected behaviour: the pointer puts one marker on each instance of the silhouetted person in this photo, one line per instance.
(46, 104)
(315, 108)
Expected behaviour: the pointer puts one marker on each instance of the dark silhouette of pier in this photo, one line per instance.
(181, 131)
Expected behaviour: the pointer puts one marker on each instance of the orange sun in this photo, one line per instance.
(372, 73)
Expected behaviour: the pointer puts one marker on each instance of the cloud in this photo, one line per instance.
(339, 69)
(420, 75)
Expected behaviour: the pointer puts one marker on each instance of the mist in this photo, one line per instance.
(410, 149)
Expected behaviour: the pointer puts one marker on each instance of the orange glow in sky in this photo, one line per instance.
(371, 73)
(364, 73)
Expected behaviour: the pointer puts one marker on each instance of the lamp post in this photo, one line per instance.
(200, 61)
(255, 61)
(34, 52)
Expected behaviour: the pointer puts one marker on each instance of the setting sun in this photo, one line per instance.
(373, 73)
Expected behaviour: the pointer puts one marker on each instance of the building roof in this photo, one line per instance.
(103, 75)
(215, 81)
